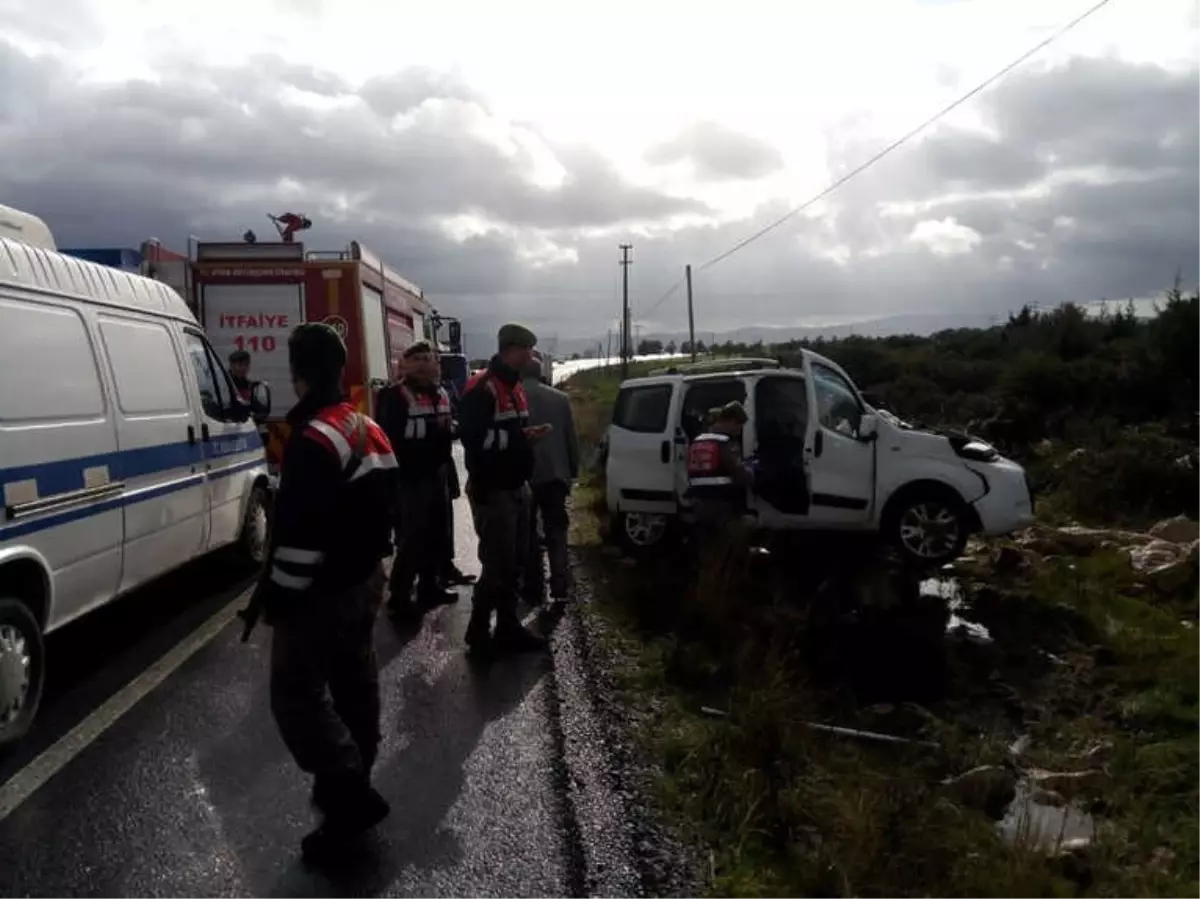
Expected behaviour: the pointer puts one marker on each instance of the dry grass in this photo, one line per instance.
(731, 673)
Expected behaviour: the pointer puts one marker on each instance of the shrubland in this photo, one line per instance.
(1048, 682)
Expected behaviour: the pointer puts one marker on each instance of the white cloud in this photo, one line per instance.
(945, 237)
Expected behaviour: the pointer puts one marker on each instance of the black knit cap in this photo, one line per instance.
(316, 353)
(238, 356)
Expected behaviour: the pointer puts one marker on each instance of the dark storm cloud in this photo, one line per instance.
(718, 153)
(211, 151)
(233, 130)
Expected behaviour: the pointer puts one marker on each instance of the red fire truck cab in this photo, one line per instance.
(249, 296)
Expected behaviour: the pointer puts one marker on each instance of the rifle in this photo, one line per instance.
(254, 607)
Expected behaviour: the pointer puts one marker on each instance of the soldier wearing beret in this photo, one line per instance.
(493, 425)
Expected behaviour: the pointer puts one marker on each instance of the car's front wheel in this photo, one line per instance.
(256, 529)
(929, 527)
(22, 669)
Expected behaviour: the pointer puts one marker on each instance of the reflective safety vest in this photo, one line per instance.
(425, 412)
(358, 442)
(511, 409)
(247, 395)
(706, 474)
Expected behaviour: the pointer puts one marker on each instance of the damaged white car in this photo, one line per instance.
(831, 461)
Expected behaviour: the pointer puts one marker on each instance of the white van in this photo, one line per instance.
(124, 451)
(839, 464)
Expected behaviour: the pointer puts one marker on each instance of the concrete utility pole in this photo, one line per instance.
(687, 273)
(626, 352)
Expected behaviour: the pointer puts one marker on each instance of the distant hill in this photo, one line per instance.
(920, 324)
(481, 342)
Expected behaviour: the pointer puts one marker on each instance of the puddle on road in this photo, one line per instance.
(1034, 823)
(948, 589)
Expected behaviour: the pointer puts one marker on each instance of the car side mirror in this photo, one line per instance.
(868, 427)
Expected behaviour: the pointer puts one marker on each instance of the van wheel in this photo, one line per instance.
(929, 527)
(640, 532)
(256, 529)
(22, 669)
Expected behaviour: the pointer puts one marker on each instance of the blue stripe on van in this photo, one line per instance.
(60, 477)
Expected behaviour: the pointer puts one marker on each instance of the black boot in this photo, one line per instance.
(512, 637)
(350, 806)
(479, 632)
(456, 577)
(400, 606)
(435, 595)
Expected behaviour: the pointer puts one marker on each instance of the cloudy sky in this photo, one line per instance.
(497, 152)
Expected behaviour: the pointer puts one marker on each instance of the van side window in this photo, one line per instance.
(705, 395)
(837, 405)
(144, 365)
(643, 409)
(214, 390)
(35, 336)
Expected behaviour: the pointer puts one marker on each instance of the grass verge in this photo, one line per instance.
(1093, 669)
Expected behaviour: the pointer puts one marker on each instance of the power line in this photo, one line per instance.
(909, 135)
(893, 146)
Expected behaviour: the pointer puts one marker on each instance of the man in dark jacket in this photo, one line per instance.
(239, 371)
(322, 586)
(555, 468)
(493, 425)
(415, 414)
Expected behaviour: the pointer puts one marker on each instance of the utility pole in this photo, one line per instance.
(625, 350)
(608, 349)
(687, 273)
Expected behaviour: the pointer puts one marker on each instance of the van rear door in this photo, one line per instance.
(641, 455)
(59, 475)
(699, 398)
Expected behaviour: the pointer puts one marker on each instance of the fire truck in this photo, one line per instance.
(250, 295)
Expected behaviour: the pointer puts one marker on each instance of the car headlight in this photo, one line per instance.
(976, 450)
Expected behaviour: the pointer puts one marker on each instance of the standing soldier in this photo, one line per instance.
(415, 414)
(239, 370)
(717, 482)
(322, 588)
(493, 425)
(555, 467)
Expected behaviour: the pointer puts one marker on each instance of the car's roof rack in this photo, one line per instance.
(717, 365)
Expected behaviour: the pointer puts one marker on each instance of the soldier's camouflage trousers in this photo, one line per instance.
(324, 681)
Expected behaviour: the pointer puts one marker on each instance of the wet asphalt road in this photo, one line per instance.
(492, 774)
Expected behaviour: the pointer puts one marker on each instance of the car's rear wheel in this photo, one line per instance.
(22, 669)
(641, 532)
